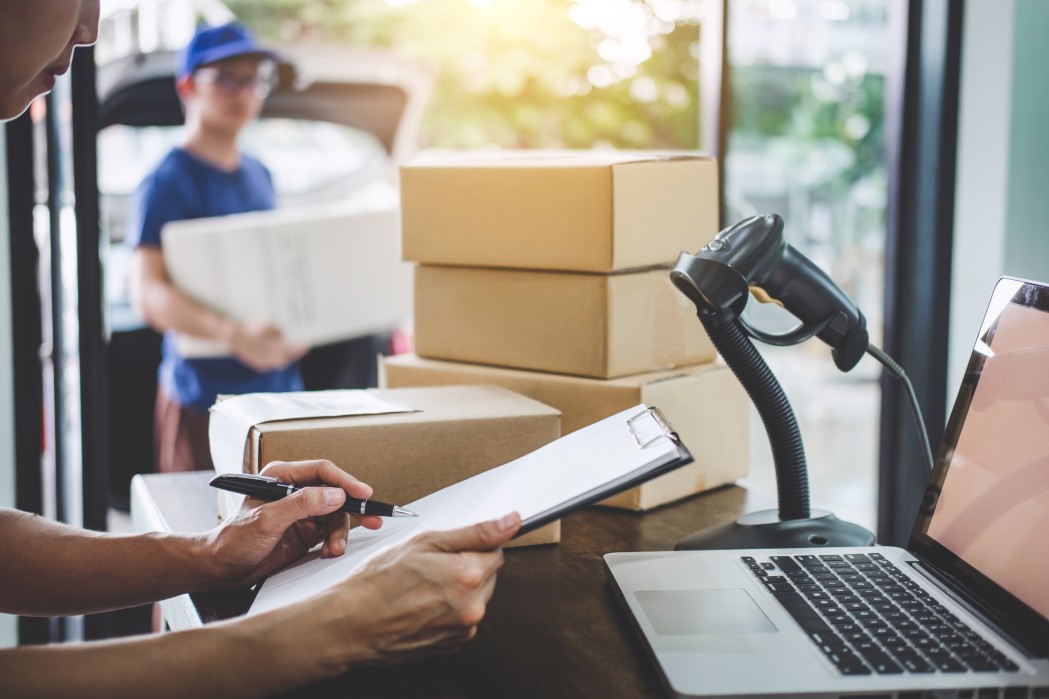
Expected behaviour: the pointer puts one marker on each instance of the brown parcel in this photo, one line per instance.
(457, 432)
(705, 404)
(585, 212)
(596, 325)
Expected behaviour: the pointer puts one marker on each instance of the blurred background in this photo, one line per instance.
(800, 117)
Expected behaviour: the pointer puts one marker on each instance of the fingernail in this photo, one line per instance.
(333, 496)
(506, 521)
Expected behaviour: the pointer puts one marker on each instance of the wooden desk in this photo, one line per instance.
(553, 628)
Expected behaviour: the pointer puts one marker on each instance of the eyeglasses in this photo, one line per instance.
(261, 83)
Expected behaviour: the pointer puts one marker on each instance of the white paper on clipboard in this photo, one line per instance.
(582, 467)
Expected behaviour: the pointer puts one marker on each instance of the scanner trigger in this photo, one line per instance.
(763, 296)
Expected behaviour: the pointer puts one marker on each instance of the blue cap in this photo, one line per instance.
(211, 44)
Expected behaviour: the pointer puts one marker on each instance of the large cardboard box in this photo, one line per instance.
(321, 275)
(454, 432)
(581, 211)
(705, 404)
(595, 325)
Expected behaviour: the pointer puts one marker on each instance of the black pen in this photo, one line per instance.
(269, 488)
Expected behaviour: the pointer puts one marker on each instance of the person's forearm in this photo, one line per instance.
(248, 657)
(165, 307)
(63, 570)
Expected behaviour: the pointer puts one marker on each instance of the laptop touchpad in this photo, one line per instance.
(703, 612)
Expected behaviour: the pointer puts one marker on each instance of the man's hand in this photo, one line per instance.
(264, 537)
(427, 595)
(263, 347)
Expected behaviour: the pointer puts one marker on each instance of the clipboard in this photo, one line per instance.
(646, 426)
(580, 468)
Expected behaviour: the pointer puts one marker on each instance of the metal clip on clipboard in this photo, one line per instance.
(649, 425)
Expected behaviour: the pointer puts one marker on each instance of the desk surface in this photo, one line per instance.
(553, 628)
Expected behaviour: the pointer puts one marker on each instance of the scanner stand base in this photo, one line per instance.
(765, 530)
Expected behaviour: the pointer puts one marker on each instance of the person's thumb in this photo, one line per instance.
(483, 536)
(307, 502)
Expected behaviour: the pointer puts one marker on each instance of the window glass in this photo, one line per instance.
(807, 84)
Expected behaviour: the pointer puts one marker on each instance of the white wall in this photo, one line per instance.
(8, 624)
(1002, 196)
(981, 194)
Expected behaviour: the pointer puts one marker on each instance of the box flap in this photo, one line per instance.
(544, 158)
(231, 420)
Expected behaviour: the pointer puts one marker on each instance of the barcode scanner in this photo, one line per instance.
(751, 258)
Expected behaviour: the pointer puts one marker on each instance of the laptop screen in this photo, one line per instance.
(985, 516)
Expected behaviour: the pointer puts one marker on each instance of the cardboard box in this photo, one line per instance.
(455, 432)
(595, 325)
(322, 274)
(581, 211)
(705, 404)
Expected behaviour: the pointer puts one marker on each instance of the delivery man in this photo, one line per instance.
(223, 77)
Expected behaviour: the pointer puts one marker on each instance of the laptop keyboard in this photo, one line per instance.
(868, 617)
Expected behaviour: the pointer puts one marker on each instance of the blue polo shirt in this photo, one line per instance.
(185, 187)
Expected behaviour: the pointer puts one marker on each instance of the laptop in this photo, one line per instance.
(963, 611)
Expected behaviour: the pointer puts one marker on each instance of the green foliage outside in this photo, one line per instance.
(804, 107)
(524, 73)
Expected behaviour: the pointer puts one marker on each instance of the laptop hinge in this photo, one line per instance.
(947, 585)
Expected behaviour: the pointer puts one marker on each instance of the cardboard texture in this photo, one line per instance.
(582, 211)
(456, 432)
(595, 325)
(320, 274)
(705, 404)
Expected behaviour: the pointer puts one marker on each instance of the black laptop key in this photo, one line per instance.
(786, 564)
(945, 663)
(915, 664)
(883, 664)
(805, 615)
(984, 664)
(854, 667)
(874, 623)
(834, 611)
(771, 579)
(781, 587)
(857, 558)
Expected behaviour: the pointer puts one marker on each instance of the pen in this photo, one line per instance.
(269, 488)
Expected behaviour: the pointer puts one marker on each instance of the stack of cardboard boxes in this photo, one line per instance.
(547, 275)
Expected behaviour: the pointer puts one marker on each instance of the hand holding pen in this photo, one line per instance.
(261, 539)
(270, 488)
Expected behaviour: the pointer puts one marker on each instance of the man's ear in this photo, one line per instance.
(186, 88)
